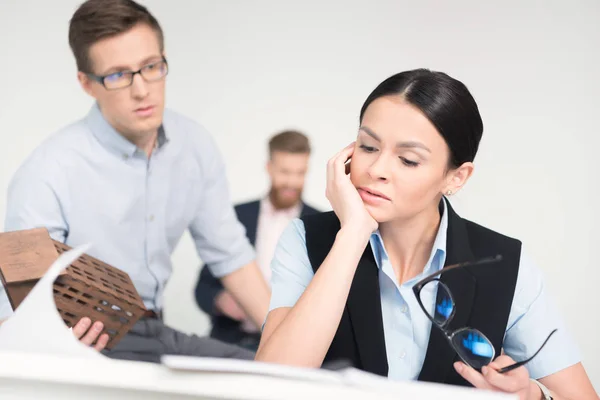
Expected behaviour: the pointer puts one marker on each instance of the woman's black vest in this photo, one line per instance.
(483, 296)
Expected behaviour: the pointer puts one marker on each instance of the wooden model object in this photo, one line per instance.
(87, 288)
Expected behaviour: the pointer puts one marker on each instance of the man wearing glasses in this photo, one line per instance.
(130, 178)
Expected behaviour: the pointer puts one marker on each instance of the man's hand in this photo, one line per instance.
(88, 333)
(248, 287)
(226, 305)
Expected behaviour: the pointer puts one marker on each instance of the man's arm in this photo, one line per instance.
(35, 197)
(207, 289)
(250, 290)
(221, 239)
(35, 200)
(214, 299)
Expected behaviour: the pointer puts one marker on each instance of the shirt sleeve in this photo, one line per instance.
(532, 317)
(35, 198)
(291, 271)
(220, 238)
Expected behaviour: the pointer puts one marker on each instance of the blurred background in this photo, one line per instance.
(246, 70)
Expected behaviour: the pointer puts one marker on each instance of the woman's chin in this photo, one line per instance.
(378, 214)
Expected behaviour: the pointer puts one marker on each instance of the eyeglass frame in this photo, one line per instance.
(100, 78)
(417, 287)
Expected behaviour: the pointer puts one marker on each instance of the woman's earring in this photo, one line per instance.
(449, 193)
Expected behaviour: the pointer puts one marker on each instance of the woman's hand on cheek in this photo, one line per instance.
(344, 197)
(515, 381)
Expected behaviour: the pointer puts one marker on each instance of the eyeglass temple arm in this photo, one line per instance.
(429, 277)
(521, 363)
(96, 78)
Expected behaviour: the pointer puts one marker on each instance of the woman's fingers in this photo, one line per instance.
(333, 166)
(472, 376)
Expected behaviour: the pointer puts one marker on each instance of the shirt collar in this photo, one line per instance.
(438, 251)
(267, 207)
(113, 140)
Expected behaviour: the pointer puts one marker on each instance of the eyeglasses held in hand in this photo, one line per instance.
(152, 72)
(472, 346)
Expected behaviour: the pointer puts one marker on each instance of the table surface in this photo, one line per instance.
(27, 375)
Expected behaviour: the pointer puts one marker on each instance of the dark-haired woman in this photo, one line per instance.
(349, 284)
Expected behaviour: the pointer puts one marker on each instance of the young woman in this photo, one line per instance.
(348, 284)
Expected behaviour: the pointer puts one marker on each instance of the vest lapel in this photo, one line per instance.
(440, 355)
(304, 210)
(248, 216)
(364, 302)
(364, 307)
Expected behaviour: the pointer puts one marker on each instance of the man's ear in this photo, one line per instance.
(269, 166)
(86, 83)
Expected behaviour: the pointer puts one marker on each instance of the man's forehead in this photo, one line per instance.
(129, 49)
(286, 155)
(298, 161)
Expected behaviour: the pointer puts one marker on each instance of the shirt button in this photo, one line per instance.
(125, 157)
(151, 218)
(403, 309)
(402, 354)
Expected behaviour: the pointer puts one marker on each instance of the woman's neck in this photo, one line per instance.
(408, 243)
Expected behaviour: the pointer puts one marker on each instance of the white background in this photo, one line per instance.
(247, 69)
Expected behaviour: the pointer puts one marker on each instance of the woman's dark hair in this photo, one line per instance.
(445, 101)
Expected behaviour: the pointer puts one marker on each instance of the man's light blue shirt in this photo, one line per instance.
(406, 328)
(88, 184)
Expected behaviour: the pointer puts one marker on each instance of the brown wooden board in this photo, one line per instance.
(26, 255)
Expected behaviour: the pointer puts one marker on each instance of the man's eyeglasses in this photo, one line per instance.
(152, 72)
(472, 346)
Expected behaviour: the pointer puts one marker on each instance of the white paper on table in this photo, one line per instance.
(36, 326)
(227, 365)
(347, 376)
